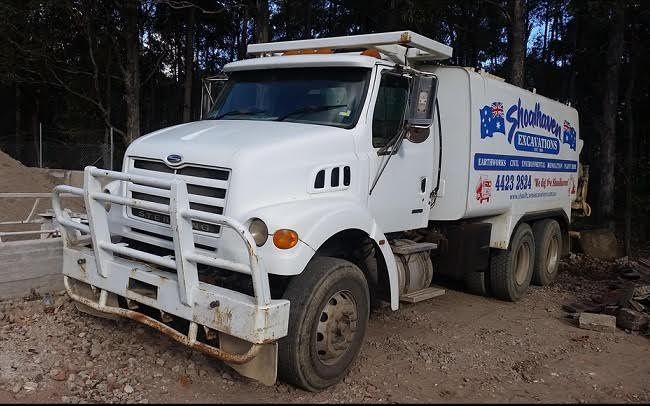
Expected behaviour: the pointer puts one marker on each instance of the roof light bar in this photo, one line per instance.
(411, 45)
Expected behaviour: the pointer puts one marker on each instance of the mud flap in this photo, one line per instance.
(263, 368)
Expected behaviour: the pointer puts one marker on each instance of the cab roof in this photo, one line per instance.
(306, 60)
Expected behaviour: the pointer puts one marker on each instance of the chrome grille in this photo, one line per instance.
(206, 186)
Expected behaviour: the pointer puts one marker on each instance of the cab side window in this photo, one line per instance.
(389, 108)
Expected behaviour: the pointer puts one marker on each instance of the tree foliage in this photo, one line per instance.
(137, 65)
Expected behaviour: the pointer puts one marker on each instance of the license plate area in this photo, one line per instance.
(143, 288)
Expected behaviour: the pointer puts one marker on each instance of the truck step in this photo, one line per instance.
(413, 248)
(423, 294)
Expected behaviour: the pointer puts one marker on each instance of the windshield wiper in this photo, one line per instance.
(310, 109)
(239, 113)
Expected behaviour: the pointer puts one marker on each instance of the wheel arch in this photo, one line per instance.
(319, 224)
(504, 226)
(357, 246)
(557, 215)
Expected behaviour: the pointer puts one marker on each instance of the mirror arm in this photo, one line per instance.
(398, 143)
(394, 144)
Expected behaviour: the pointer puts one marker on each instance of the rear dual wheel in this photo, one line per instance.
(511, 270)
(533, 255)
(477, 283)
(548, 248)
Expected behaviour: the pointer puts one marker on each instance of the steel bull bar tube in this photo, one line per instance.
(188, 340)
(181, 217)
(265, 319)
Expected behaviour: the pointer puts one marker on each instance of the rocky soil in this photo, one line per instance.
(454, 348)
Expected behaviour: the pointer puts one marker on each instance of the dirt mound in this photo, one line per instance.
(18, 178)
(8, 162)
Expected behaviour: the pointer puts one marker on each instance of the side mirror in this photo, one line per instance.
(421, 104)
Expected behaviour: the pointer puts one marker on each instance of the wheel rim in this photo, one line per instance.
(552, 254)
(522, 263)
(337, 327)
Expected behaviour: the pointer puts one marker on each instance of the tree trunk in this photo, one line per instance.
(551, 38)
(189, 65)
(577, 41)
(474, 37)
(108, 95)
(132, 72)
(546, 17)
(36, 130)
(233, 47)
(308, 9)
(18, 138)
(517, 48)
(629, 159)
(630, 148)
(608, 131)
(262, 33)
(243, 35)
(393, 16)
(177, 65)
(108, 158)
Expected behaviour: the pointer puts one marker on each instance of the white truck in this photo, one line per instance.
(330, 174)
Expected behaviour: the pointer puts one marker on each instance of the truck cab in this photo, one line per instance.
(329, 175)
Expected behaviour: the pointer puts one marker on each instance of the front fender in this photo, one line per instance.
(316, 220)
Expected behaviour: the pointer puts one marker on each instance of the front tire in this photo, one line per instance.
(328, 317)
(511, 270)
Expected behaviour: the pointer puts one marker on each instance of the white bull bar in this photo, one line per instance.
(257, 319)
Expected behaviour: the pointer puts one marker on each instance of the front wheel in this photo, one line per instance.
(328, 317)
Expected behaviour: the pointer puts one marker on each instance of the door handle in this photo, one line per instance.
(423, 184)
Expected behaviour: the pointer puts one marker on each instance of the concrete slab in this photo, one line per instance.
(597, 322)
(31, 264)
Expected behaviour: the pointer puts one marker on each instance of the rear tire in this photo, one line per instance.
(511, 270)
(477, 283)
(328, 317)
(548, 249)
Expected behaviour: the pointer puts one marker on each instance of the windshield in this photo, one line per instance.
(326, 96)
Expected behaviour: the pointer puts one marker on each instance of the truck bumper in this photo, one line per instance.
(97, 272)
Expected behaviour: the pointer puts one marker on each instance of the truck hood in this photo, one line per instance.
(222, 142)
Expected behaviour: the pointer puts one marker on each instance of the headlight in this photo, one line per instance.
(259, 231)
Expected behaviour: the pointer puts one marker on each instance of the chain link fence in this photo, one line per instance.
(65, 150)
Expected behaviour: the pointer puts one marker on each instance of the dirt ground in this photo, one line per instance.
(453, 348)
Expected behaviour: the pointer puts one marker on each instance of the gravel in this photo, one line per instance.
(455, 348)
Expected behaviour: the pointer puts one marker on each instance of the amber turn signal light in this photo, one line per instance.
(285, 239)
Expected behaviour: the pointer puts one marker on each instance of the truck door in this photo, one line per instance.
(400, 198)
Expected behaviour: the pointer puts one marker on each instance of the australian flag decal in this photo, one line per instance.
(492, 120)
(569, 135)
